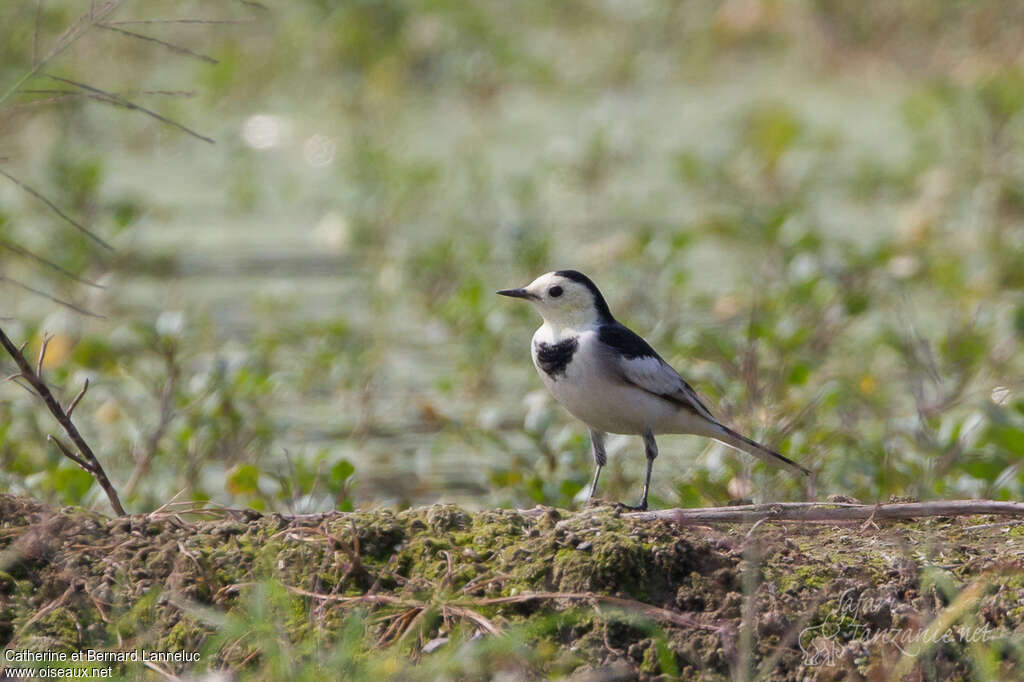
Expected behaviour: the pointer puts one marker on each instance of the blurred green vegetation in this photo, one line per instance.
(813, 210)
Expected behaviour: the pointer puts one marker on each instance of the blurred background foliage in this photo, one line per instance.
(814, 210)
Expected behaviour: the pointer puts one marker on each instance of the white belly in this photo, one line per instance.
(605, 402)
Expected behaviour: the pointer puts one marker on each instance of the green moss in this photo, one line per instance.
(174, 587)
(58, 629)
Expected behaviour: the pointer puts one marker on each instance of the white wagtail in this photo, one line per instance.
(611, 379)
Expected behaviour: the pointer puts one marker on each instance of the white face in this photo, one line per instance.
(561, 301)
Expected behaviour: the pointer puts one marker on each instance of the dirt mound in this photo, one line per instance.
(587, 592)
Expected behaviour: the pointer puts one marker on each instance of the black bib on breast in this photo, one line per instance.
(553, 358)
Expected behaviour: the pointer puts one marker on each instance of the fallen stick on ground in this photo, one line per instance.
(832, 511)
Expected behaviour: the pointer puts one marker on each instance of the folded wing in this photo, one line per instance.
(638, 364)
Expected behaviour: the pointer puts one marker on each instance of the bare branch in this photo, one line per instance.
(48, 263)
(59, 301)
(81, 228)
(85, 457)
(42, 354)
(120, 101)
(170, 46)
(18, 381)
(78, 398)
(70, 455)
(830, 511)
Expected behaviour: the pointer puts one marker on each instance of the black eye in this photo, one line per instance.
(555, 291)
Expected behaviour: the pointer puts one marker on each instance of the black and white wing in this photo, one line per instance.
(637, 363)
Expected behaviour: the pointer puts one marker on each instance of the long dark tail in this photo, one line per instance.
(724, 434)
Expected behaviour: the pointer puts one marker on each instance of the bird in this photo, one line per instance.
(612, 380)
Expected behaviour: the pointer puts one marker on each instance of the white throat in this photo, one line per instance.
(569, 323)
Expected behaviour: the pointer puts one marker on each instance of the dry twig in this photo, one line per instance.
(170, 46)
(115, 99)
(85, 457)
(81, 228)
(832, 511)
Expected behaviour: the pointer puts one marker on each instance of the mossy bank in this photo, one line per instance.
(441, 592)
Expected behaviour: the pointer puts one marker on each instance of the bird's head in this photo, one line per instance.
(566, 299)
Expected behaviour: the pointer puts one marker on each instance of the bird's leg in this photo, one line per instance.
(600, 458)
(651, 450)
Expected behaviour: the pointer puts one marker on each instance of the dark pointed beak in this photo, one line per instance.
(516, 293)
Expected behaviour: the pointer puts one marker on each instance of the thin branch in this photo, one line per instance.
(360, 599)
(85, 458)
(78, 398)
(124, 93)
(48, 263)
(59, 301)
(66, 95)
(831, 511)
(120, 101)
(178, 21)
(53, 206)
(42, 354)
(66, 451)
(170, 46)
(17, 381)
(469, 614)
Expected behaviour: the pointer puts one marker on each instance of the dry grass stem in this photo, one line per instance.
(77, 225)
(113, 98)
(170, 46)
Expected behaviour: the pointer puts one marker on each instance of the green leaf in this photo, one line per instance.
(72, 484)
(244, 479)
(535, 489)
(570, 488)
(772, 129)
(799, 374)
(1007, 437)
(341, 472)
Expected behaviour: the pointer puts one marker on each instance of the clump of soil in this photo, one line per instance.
(625, 597)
